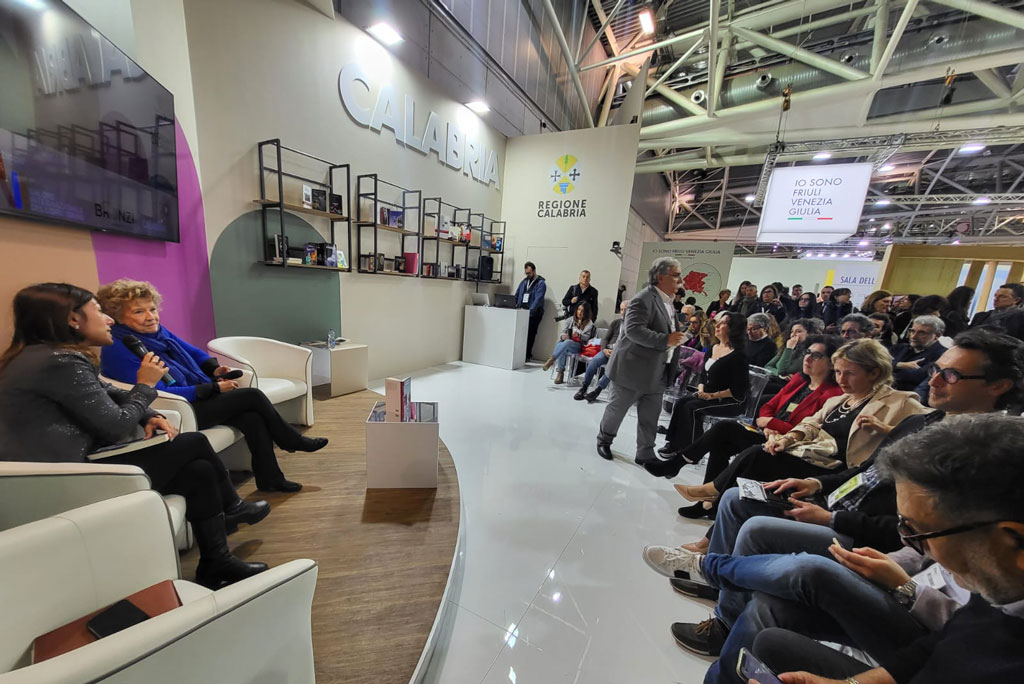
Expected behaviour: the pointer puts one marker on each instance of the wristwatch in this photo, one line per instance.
(904, 594)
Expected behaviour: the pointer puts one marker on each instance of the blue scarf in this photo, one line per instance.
(180, 364)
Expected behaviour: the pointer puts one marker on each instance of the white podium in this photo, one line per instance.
(402, 455)
(495, 337)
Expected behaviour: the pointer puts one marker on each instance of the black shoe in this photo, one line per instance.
(309, 444)
(704, 638)
(604, 451)
(697, 511)
(246, 512)
(662, 430)
(666, 452)
(688, 587)
(645, 462)
(592, 397)
(581, 394)
(282, 486)
(217, 567)
(667, 469)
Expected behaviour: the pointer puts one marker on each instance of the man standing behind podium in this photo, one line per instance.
(530, 295)
(645, 360)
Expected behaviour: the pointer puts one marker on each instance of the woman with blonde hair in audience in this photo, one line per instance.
(199, 378)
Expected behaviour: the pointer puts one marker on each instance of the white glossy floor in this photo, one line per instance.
(554, 588)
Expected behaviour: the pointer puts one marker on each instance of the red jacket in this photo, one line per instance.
(808, 407)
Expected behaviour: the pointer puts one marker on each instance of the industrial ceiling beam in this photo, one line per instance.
(673, 96)
(668, 72)
(881, 30)
(604, 26)
(994, 82)
(712, 90)
(569, 62)
(987, 10)
(894, 39)
(799, 54)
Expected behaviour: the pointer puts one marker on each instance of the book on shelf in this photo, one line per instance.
(310, 258)
(342, 260)
(412, 261)
(277, 247)
(319, 199)
(380, 261)
(330, 254)
(398, 399)
(294, 261)
(336, 204)
(307, 197)
(367, 262)
(498, 241)
(389, 265)
(396, 218)
(400, 265)
(485, 241)
(445, 231)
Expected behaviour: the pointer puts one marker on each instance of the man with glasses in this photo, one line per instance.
(982, 373)
(855, 327)
(645, 362)
(961, 506)
(910, 362)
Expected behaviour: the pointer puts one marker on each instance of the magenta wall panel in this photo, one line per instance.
(181, 272)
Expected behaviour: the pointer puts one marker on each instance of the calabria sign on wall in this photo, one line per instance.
(565, 176)
(387, 108)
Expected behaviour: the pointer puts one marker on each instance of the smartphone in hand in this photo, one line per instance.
(750, 668)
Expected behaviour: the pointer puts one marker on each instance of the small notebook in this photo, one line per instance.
(128, 447)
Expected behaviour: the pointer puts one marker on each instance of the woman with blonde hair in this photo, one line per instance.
(199, 378)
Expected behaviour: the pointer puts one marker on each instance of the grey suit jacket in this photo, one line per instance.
(639, 361)
(53, 407)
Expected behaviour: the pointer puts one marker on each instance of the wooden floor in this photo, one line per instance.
(384, 554)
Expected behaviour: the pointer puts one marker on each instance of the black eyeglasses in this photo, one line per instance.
(951, 376)
(915, 539)
(814, 356)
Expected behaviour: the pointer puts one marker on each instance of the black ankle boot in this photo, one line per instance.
(592, 397)
(246, 512)
(217, 567)
(307, 444)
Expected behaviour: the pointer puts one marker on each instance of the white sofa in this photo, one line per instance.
(54, 571)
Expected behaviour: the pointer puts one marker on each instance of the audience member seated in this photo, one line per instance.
(760, 347)
(844, 432)
(807, 306)
(53, 407)
(802, 397)
(961, 506)
(790, 357)
(855, 327)
(135, 306)
(725, 385)
(825, 295)
(1007, 313)
(837, 306)
(901, 313)
(883, 330)
(695, 334)
(577, 332)
(601, 359)
(722, 304)
(879, 301)
(770, 303)
(929, 305)
(911, 361)
(981, 373)
(746, 301)
(956, 316)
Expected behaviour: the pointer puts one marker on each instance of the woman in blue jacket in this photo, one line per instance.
(198, 378)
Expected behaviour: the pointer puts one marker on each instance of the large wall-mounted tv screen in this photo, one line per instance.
(86, 136)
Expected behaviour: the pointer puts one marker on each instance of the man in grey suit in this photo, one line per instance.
(645, 360)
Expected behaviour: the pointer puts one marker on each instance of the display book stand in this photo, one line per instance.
(302, 167)
(487, 240)
(450, 225)
(402, 440)
(395, 211)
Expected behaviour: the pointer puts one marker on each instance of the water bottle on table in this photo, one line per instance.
(332, 338)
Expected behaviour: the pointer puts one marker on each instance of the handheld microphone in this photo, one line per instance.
(136, 347)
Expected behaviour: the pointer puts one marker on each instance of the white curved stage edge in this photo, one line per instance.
(547, 582)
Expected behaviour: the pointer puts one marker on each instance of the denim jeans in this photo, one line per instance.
(593, 366)
(562, 351)
(809, 594)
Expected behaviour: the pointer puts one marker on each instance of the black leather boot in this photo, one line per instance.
(306, 444)
(217, 567)
(248, 512)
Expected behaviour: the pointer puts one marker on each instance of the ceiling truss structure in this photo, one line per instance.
(899, 83)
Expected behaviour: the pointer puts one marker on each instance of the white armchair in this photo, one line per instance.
(31, 491)
(283, 371)
(54, 571)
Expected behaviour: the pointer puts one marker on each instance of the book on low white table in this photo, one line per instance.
(402, 454)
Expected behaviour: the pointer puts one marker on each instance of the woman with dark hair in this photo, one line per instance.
(807, 306)
(577, 332)
(878, 301)
(722, 304)
(53, 407)
(883, 329)
(837, 306)
(770, 303)
(901, 316)
(790, 357)
(723, 390)
(955, 316)
(135, 306)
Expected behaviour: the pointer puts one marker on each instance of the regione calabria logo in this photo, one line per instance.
(565, 174)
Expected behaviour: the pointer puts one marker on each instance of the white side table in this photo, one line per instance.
(402, 455)
(344, 368)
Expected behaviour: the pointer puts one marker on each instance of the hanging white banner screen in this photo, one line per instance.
(818, 204)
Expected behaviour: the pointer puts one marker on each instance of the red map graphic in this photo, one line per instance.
(694, 282)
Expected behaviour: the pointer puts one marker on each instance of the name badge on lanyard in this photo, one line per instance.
(845, 489)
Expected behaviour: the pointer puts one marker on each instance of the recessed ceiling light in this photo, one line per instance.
(749, 198)
(863, 243)
(871, 220)
(982, 200)
(971, 148)
(883, 203)
(385, 33)
(478, 106)
(846, 256)
(823, 155)
(646, 22)
(887, 168)
(833, 255)
(887, 226)
(821, 254)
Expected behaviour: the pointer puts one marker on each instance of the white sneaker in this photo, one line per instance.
(667, 560)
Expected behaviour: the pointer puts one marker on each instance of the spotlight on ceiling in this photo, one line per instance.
(863, 243)
(385, 33)
(646, 22)
(749, 198)
(887, 168)
(887, 226)
(972, 148)
(822, 155)
(478, 106)
(883, 203)
(982, 200)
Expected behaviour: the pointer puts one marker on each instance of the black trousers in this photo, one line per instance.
(755, 463)
(687, 424)
(724, 440)
(785, 651)
(188, 466)
(249, 410)
(531, 333)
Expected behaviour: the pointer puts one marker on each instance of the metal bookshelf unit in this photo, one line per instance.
(438, 210)
(487, 239)
(371, 213)
(338, 178)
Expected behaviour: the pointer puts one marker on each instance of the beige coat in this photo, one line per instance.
(888, 406)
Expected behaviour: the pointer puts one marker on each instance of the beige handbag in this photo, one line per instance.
(820, 452)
